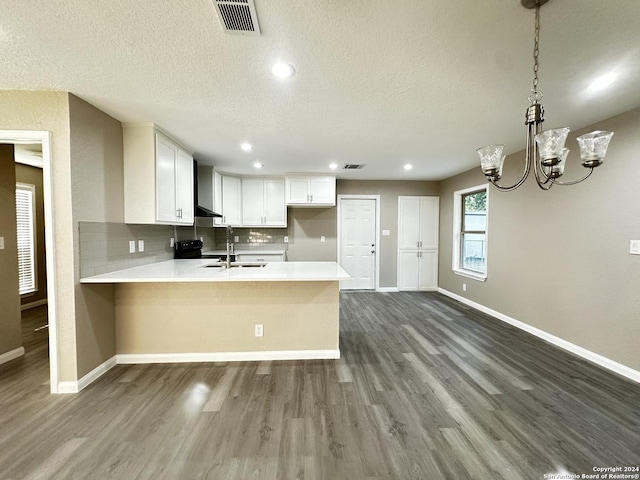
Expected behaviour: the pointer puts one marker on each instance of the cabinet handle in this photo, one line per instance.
(417, 244)
(311, 197)
(420, 243)
(224, 219)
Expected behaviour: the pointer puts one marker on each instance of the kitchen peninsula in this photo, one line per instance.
(195, 310)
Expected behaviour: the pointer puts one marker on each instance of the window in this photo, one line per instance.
(25, 201)
(471, 207)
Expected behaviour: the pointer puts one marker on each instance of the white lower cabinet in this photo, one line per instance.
(418, 270)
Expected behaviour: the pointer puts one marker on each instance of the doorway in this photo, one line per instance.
(358, 240)
(44, 138)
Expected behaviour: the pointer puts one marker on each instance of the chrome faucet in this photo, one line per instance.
(229, 245)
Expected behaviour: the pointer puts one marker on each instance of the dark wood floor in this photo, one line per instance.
(426, 389)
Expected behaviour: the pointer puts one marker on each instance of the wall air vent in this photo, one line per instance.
(353, 166)
(238, 16)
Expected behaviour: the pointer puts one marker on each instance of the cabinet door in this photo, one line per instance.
(408, 222)
(428, 270)
(252, 201)
(429, 219)
(184, 188)
(297, 190)
(166, 160)
(322, 190)
(217, 196)
(231, 200)
(408, 270)
(275, 210)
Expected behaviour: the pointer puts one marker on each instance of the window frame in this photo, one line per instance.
(31, 189)
(458, 222)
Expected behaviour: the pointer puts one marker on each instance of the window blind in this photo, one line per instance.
(25, 218)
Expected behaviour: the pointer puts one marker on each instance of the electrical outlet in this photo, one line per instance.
(286, 239)
(172, 242)
(202, 239)
(236, 239)
(259, 330)
(464, 287)
(386, 233)
(132, 246)
(141, 245)
(322, 238)
(1, 243)
(634, 248)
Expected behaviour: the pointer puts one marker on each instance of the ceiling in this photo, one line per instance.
(381, 83)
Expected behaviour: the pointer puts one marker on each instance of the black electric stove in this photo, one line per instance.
(188, 249)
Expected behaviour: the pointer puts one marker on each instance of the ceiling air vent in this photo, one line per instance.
(353, 166)
(238, 16)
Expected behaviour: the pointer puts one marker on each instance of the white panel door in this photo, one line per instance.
(297, 189)
(358, 243)
(429, 219)
(322, 190)
(275, 210)
(428, 266)
(184, 188)
(409, 223)
(252, 201)
(408, 270)
(231, 200)
(166, 158)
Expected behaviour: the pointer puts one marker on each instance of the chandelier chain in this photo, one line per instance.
(536, 51)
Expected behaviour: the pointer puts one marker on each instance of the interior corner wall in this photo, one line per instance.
(559, 260)
(49, 111)
(33, 176)
(10, 319)
(97, 196)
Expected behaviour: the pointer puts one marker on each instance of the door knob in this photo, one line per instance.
(373, 251)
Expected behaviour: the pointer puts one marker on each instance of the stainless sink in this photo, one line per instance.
(236, 265)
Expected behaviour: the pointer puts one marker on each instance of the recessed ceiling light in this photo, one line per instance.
(258, 165)
(246, 146)
(283, 70)
(333, 166)
(408, 166)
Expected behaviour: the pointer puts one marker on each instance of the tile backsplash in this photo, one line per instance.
(104, 247)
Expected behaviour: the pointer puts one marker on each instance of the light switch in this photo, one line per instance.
(1, 243)
(634, 248)
(322, 239)
(386, 233)
(141, 245)
(132, 246)
(236, 239)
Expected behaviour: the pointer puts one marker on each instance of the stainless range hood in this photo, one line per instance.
(203, 192)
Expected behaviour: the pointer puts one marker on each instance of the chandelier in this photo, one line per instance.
(545, 149)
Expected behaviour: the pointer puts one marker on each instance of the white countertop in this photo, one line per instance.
(196, 271)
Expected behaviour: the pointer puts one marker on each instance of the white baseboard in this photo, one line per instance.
(92, 376)
(129, 358)
(35, 304)
(387, 289)
(11, 355)
(593, 357)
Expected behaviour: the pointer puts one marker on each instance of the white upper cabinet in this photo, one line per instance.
(158, 178)
(418, 222)
(263, 202)
(231, 200)
(310, 191)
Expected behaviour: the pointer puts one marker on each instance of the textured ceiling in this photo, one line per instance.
(378, 82)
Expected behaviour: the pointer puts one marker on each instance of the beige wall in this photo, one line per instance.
(306, 225)
(559, 260)
(33, 176)
(22, 110)
(98, 196)
(86, 173)
(10, 330)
